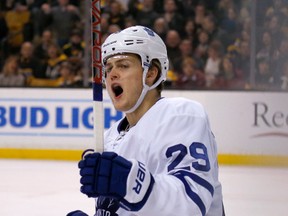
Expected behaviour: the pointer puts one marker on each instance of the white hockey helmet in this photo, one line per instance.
(141, 41)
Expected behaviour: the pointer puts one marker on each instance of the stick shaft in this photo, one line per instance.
(98, 113)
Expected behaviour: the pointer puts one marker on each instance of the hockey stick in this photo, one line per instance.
(98, 113)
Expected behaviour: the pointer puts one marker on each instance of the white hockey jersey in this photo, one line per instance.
(174, 140)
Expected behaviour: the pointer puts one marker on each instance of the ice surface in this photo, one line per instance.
(51, 188)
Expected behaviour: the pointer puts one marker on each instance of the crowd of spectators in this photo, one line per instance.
(43, 42)
(209, 43)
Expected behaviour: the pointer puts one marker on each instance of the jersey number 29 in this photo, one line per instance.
(196, 150)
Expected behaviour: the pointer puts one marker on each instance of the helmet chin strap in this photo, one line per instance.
(140, 99)
(145, 89)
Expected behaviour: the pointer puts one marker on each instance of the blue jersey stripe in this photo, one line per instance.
(198, 180)
(194, 196)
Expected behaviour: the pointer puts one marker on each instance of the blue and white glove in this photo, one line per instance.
(111, 175)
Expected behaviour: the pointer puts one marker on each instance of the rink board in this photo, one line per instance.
(250, 127)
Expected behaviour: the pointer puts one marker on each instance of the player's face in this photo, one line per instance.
(124, 80)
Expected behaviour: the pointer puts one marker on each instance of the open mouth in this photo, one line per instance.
(117, 90)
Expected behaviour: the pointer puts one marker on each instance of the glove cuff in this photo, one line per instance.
(139, 186)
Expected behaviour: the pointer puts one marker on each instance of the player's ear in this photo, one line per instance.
(152, 75)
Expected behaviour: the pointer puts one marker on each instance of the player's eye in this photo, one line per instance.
(123, 66)
(119, 66)
(107, 70)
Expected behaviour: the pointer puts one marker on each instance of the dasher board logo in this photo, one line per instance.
(271, 120)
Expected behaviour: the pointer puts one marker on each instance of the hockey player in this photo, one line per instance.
(161, 158)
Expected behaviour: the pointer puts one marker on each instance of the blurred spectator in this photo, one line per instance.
(113, 28)
(74, 49)
(159, 6)
(242, 59)
(212, 65)
(10, 76)
(55, 58)
(266, 50)
(246, 25)
(41, 47)
(280, 59)
(36, 23)
(133, 6)
(172, 42)
(261, 11)
(201, 49)
(264, 77)
(276, 7)
(230, 25)
(124, 4)
(16, 19)
(146, 14)
(209, 25)
(104, 23)
(223, 7)
(244, 36)
(214, 31)
(190, 77)
(104, 26)
(129, 21)
(274, 27)
(30, 29)
(29, 64)
(200, 14)
(199, 21)
(160, 27)
(189, 9)
(173, 18)
(63, 18)
(244, 13)
(229, 76)
(190, 31)
(68, 77)
(116, 14)
(186, 51)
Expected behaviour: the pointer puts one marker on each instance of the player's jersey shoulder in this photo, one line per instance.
(162, 112)
(181, 106)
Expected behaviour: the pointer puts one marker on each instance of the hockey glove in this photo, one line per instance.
(77, 213)
(110, 175)
(107, 206)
